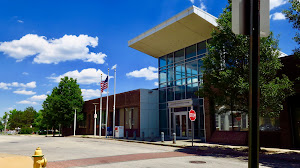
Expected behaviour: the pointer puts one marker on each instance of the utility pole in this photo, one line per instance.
(254, 85)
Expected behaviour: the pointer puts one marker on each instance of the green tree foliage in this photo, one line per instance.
(293, 15)
(1, 124)
(58, 108)
(39, 122)
(22, 119)
(226, 69)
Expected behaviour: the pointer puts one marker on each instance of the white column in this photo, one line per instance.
(226, 122)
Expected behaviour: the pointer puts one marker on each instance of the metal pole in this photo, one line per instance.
(75, 122)
(95, 119)
(6, 120)
(114, 115)
(254, 85)
(107, 103)
(100, 117)
(192, 133)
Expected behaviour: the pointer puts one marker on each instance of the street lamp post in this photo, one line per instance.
(95, 119)
(75, 121)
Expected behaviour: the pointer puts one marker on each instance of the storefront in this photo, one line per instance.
(179, 118)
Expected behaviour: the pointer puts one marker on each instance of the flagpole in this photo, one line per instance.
(114, 116)
(100, 117)
(107, 103)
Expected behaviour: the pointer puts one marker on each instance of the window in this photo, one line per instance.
(269, 124)
(223, 121)
(200, 66)
(201, 48)
(191, 89)
(179, 55)
(179, 92)
(170, 58)
(162, 61)
(163, 76)
(162, 95)
(191, 68)
(170, 94)
(170, 72)
(190, 51)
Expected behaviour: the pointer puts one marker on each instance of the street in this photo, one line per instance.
(94, 153)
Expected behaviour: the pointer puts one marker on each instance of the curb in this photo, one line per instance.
(279, 155)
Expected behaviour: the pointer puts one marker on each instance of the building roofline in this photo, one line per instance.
(193, 9)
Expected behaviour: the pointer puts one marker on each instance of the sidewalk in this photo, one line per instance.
(205, 148)
(13, 161)
(197, 144)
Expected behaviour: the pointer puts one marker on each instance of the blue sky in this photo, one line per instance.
(41, 41)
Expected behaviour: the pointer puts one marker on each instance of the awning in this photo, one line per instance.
(186, 28)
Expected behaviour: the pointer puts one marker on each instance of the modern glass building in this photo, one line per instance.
(179, 44)
(180, 76)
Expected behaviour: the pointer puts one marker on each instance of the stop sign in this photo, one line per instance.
(192, 115)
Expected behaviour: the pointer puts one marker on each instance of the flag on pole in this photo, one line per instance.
(104, 84)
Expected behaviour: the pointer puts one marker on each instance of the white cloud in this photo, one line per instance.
(277, 16)
(114, 67)
(25, 73)
(90, 93)
(48, 51)
(149, 73)
(27, 102)
(10, 108)
(86, 76)
(282, 54)
(20, 21)
(156, 83)
(277, 3)
(24, 92)
(202, 6)
(17, 85)
(38, 97)
(192, 1)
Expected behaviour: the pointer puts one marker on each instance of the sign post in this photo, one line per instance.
(192, 116)
(252, 18)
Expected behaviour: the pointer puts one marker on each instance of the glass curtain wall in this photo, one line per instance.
(180, 75)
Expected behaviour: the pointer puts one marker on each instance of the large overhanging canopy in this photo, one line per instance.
(186, 28)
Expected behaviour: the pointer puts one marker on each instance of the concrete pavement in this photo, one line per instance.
(62, 152)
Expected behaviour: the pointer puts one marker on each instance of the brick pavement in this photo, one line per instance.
(114, 159)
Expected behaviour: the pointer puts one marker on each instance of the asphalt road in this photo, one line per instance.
(96, 153)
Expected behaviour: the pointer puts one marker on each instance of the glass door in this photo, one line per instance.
(180, 125)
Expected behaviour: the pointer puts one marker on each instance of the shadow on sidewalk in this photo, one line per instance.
(289, 160)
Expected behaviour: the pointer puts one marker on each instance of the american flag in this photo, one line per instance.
(104, 84)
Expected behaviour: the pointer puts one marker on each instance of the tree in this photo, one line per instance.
(226, 71)
(16, 119)
(29, 116)
(39, 123)
(58, 108)
(293, 15)
(22, 119)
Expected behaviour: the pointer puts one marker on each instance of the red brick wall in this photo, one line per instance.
(123, 100)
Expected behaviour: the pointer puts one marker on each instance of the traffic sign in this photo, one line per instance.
(192, 115)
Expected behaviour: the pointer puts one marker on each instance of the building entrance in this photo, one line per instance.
(180, 125)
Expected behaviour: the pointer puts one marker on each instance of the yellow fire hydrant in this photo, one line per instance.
(38, 159)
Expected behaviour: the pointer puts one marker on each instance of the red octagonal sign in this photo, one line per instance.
(192, 115)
